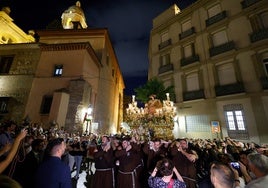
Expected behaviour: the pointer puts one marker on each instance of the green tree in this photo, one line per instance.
(154, 87)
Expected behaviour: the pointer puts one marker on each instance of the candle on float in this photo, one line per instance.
(133, 98)
(168, 96)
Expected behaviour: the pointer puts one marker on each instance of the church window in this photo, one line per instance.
(58, 70)
(5, 64)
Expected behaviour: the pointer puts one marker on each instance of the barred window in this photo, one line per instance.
(235, 121)
(197, 123)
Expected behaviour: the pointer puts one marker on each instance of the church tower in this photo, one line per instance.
(74, 17)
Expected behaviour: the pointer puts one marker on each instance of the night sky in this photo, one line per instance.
(129, 23)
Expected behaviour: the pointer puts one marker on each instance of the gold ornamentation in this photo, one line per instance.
(154, 120)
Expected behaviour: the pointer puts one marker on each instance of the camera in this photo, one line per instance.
(235, 165)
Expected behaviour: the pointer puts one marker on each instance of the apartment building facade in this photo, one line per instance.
(215, 53)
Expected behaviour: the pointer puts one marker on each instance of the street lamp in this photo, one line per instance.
(88, 119)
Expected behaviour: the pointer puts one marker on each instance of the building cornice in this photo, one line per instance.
(13, 46)
(65, 46)
(72, 46)
(72, 32)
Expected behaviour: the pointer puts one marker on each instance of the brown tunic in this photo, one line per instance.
(130, 168)
(185, 167)
(153, 156)
(104, 164)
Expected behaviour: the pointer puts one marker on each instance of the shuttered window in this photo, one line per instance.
(219, 38)
(186, 25)
(214, 10)
(226, 74)
(192, 82)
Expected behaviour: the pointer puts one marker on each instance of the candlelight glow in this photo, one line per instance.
(156, 117)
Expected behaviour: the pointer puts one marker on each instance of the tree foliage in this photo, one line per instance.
(154, 87)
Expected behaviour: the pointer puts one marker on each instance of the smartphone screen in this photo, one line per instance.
(235, 165)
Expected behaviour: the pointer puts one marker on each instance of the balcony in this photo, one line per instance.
(247, 3)
(222, 48)
(216, 18)
(164, 44)
(192, 95)
(264, 82)
(189, 60)
(187, 33)
(259, 35)
(165, 68)
(229, 89)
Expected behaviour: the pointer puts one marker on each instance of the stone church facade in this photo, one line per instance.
(54, 75)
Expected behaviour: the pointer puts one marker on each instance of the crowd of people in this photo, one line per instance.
(33, 157)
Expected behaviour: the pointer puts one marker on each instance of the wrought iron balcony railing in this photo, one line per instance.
(222, 48)
(216, 18)
(248, 3)
(187, 33)
(165, 68)
(259, 35)
(192, 95)
(164, 44)
(189, 60)
(229, 89)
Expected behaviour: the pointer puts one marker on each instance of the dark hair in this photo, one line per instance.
(165, 167)
(106, 136)
(182, 139)
(9, 123)
(126, 138)
(246, 152)
(225, 158)
(156, 140)
(52, 143)
(37, 142)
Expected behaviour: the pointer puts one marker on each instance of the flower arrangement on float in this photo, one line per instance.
(154, 120)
